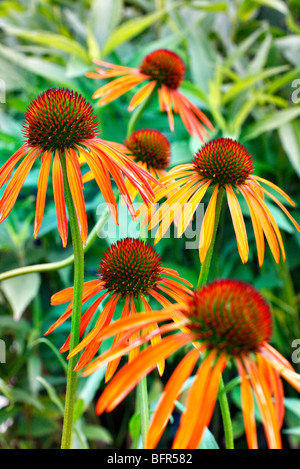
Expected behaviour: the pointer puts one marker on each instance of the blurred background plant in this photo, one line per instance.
(243, 62)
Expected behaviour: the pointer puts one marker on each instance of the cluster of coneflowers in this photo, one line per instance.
(221, 322)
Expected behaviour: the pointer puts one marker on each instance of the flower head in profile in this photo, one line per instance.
(60, 128)
(130, 270)
(227, 320)
(161, 69)
(220, 164)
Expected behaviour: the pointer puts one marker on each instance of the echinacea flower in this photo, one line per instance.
(227, 320)
(130, 270)
(61, 124)
(150, 150)
(162, 69)
(221, 163)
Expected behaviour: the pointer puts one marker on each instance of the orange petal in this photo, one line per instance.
(171, 392)
(238, 223)
(15, 184)
(76, 186)
(42, 190)
(248, 408)
(207, 227)
(59, 200)
(141, 95)
(265, 404)
(8, 167)
(191, 416)
(127, 378)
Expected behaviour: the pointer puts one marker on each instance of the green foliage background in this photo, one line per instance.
(242, 59)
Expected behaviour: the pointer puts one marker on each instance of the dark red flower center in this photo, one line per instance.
(165, 67)
(149, 147)
(224, 161)
(59, 119)
(130, 267)
(230, 316)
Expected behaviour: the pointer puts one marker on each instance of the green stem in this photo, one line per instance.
(142, 399)
(203, 276)
(204, 271)
(226, 417)
(76, 312)
(52, 266)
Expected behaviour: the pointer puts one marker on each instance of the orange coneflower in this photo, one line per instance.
(221, 163)
(162, 69)
(61, 124)
(130, 270)
(150, 150)
(227, 320)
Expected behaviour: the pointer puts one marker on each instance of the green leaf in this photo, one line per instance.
(95, 433)
(52, 394)
(292, 431)
(135, 426)
(20, 291)
(37, 66)
(272, 121)
(293, 405)
(208, 441)
(49, 39)
(103, 19)
(78, 409)
(245, 83)
(130, 29)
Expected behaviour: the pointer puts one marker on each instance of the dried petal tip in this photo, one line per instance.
(224, 161)
(59, 119)
(165, 67)
(149, 147)
(230, 316)
(130, 267)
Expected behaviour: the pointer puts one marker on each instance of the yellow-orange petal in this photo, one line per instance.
(238, 223)
(167, 401)
(207, 227)
(141, 95)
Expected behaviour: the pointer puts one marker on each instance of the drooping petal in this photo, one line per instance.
(171, 392)
(42, 190)
(141, 95)
(248, 408)
(208, 403)
(190, 417)
(59, 200)
(265, 404)
(127, 378)
(8, 167)
(108, 311)
(113, 364)
(76, 188)
(15, 184)
(238, 223)
(207, 227)
(258, 231)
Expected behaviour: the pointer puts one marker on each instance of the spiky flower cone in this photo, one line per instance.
(61, 124)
